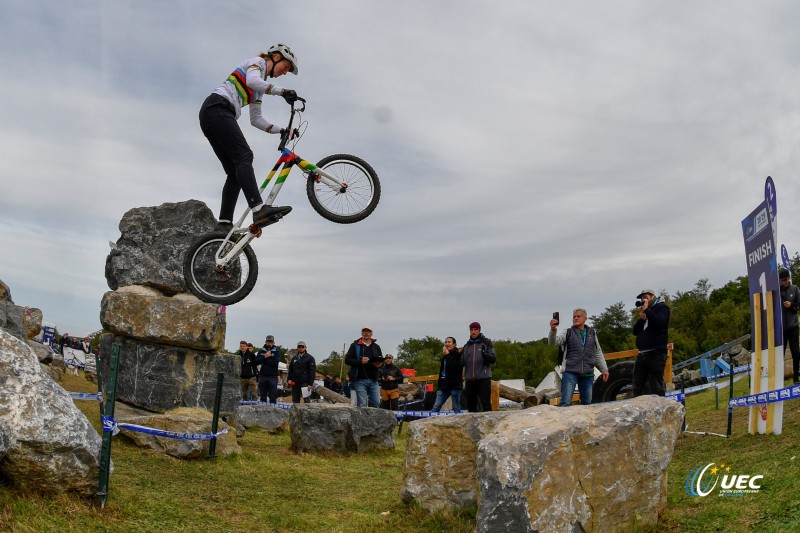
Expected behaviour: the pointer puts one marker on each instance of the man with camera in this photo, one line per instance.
(790, 303)
(582, 353)
(651, 341)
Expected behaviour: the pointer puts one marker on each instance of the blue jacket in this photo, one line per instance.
(651, 334)
(269, 365)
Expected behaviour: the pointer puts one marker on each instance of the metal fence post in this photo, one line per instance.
(105, 450)
(212, 446)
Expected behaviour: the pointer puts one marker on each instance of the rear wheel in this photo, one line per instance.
(619, 385)
(224, 285)
(355, 200)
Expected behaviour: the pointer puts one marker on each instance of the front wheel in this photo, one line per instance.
(224, 285)
(355, 200)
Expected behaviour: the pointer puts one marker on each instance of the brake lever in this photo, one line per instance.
(300, 109)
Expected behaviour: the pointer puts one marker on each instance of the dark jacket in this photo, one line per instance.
(302, 369)
(651, 334)
(269, 365)
(791, 294)
(450, 370)
(478, 356)
(247, 364)
(359, 370)
(390, 370)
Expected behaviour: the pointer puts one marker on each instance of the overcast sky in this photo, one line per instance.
(534, 156)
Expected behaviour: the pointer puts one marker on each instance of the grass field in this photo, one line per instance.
(269, 488)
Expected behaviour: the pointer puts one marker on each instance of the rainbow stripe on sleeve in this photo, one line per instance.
(238, 79)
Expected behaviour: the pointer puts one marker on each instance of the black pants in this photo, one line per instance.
(648, 373)
(297, 394)
(790, 338)
(268, 388)
(219, 125)
(479, 394)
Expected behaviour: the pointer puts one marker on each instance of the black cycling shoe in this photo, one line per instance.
(223, 227)
(270, 214)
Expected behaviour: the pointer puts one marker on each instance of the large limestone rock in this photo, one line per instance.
(323, 427)
(145, 314)
(267, 417)
(5, 293)
(161, 378)
(51, 446)
(31, 321)
(11, 319)
(587, 468)
(153, 243)
(180, 421)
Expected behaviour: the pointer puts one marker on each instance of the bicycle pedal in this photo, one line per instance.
(255, 230)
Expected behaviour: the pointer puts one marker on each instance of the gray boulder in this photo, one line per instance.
(42, 352)
(340, 428)
(12, 319)
(160, 378)
(31, 321)
(145, 314)
(51, 445)
(153, 243)
(180, 421)
(586, 468)
(5, 293)
(267, 417)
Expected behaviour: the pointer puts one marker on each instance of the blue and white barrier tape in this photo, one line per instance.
(786, 393)
(422, 414)
(111, 425)
(85, 396)
(281, 405)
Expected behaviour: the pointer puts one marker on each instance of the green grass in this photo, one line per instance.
(269, 488)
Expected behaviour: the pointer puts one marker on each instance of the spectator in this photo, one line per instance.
(75, 344)
(651, 341)
(247, 371)
(346, 390)
(63, 341)
(269, 358)
(365, 358)
(790, 299)
(302, 372)
(390, 378)
(451, 381)
(478, 357)
(327, 381)
(86, 346)
(337, 387)
(582, 353)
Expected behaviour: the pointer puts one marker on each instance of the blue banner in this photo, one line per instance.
(762, 272)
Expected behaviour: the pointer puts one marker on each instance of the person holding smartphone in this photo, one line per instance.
(582, 353)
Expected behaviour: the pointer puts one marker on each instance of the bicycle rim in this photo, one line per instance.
(357, 201)
(220, 284)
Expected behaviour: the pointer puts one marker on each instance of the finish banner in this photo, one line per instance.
(759, 230)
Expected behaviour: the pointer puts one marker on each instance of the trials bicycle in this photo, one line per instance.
(222, 267)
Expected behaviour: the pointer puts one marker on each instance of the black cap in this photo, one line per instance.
(784, 274)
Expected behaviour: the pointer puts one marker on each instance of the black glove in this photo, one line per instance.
(290, 96)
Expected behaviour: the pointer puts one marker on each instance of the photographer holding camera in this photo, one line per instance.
(651, 341)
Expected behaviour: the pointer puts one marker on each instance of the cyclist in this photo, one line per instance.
(218, 119)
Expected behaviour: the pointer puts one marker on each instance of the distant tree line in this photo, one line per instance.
(701, 319)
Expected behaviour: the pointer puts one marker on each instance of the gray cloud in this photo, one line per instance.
(533, 157)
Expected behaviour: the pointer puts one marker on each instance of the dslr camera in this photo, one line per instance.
(639, 303)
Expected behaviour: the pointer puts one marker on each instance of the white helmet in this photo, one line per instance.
(287, 53)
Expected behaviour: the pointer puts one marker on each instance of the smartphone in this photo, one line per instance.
(555, 317)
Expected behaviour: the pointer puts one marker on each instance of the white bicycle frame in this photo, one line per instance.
(284, 165)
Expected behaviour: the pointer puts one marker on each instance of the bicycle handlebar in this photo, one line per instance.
(286, 132)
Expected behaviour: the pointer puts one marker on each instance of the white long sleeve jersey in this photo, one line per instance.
(245, 86)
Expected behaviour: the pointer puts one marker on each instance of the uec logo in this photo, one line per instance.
(701, 481)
